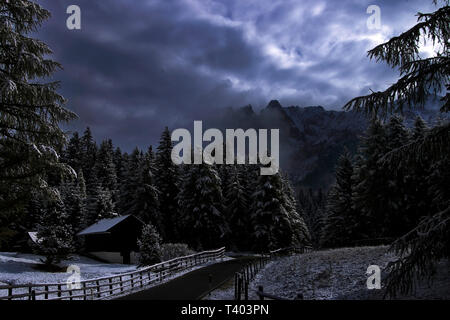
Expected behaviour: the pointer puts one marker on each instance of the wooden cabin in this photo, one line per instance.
(113, 240)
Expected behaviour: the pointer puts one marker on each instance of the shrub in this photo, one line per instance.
(174, 250)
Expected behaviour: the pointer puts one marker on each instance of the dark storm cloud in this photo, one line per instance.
(137, 66)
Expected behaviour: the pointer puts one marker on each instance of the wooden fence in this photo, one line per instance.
(104, 287)
(242, 279)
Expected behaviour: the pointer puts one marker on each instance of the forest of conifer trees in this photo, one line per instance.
(202, 205)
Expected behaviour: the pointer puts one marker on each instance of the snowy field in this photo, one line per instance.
(18, 269)
(332, 275)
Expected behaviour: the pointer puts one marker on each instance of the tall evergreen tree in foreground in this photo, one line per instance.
(30, 107)
(421, 248)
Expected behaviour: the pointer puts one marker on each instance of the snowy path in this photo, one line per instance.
(192, 285)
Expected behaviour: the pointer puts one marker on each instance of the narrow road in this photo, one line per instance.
(192, 285)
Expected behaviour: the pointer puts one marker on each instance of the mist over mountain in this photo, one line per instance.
(311, 138)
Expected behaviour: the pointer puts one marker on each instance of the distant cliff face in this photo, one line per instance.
(311, 138)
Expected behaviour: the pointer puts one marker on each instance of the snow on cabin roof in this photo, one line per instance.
(103, 225)
(33, 236)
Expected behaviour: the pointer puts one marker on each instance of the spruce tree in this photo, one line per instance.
(88, 155)
(31, 109)
(54, 235)
(72, 154)
(167, 180)
(100, 205)
(104, 168)
(202, 216)
(149, 193)
(149, 245)
(73, 195)
(271, 228)
(131, 184)
(340, 225)
(236, 209)
(300, 233)
(370, 191)
(428, 242)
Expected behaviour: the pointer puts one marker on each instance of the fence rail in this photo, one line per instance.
(100, 288)
(242, 279)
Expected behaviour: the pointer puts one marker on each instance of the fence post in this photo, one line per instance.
(46, 292)
(235, 286)
(239, 287)
(98, 289)
(121, 283)
(29, 293)
(33, 295)
(261, 292)
(10, 292)
(84, 291)
(110, 286)
(59, 290)
(246, 290)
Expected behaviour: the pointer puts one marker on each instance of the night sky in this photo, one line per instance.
(137, 66)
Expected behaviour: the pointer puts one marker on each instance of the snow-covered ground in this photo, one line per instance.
(332, 274)
(18, 268)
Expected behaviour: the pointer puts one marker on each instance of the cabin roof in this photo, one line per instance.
(103, 226)
(33, 236)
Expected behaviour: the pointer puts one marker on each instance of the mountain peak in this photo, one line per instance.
(274, 104)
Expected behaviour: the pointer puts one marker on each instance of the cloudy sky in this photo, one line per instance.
(137, 66)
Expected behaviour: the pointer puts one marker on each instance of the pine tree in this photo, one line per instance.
(55, 237)
(132, 182)
(201, 202)
(370, 192)
(236, 207)
(341, 222)
(300, 233)
(72, 154)
(167, 180)
(31, 108)
(99, 205)
(269, 218)
(420, 129)
(313, 208)
(149, 246)
(104, 169)
(149, 192)
(73, 195)
(88, 155)
(428, 242)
